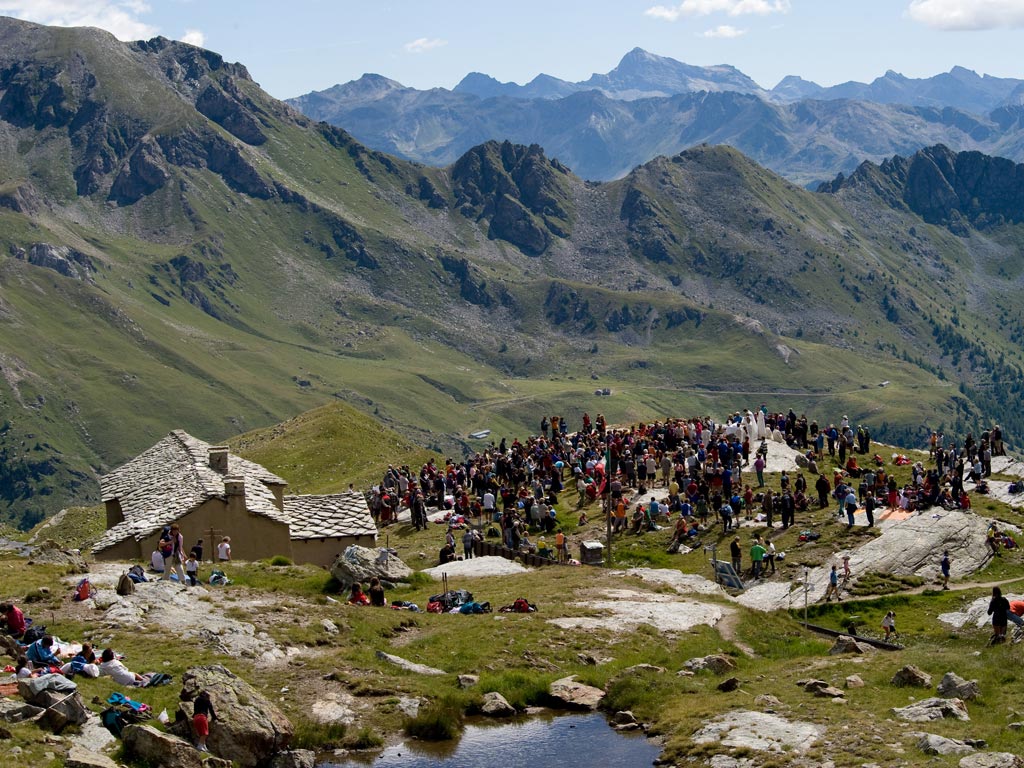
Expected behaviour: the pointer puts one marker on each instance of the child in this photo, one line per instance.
(202, 714)
(24, 668)
(192, 569)
(357, 596)
(889, 624)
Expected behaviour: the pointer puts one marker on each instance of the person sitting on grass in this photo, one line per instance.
(356, 596)
(40, 653)
(12, 620)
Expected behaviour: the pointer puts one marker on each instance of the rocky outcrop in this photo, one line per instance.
(294, 758)
(911, 676)
(61, 259)
(570, 694)
(145, 744)
(992, 760)
(249, 729)
(58, 696)
(143, 174)
(518, 190)
(759, 731)
(952, 686)
(78, 757)
(360, 564)
(930, 710)
(232, 110)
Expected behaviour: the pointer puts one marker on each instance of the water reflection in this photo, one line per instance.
(535, 742)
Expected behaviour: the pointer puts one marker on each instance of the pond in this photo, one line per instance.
(543, 741)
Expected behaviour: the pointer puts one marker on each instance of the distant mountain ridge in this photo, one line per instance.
(652, 105)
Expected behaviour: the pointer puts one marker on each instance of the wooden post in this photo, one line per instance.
(214, 536)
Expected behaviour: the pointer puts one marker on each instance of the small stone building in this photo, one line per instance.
(212, 493)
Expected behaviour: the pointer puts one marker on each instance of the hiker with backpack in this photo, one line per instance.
(172, 545)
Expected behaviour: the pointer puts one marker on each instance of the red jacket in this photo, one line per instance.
(15, 621)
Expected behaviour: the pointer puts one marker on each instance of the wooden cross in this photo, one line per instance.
(215, 537)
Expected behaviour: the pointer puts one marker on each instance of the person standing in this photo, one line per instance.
(757, 552)
(833, 586)
(851, 507)
(759, 465)
(869, 508)
(224, 550)
(173, 559)
(467, 544)
(944, 566)
(998, 608)
(736, 554)
(202, 715)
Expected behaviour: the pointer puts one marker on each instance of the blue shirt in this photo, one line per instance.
(38, 654)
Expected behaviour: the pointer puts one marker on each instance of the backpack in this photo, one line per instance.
(522, 605)
(125, 585)
(160, 678)
(137, 574)
(33, 633)
(217, 578)
(84, 590)
(166, 547)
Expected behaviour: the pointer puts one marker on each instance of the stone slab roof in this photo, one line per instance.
(324, 517)
(172, 478)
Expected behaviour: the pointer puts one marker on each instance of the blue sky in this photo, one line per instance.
(296, 46)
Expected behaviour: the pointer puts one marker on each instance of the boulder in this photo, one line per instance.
(854, 681)
(717, 663)
(329, 627)
(495, 705)
(409, 666)
(145, 744)
(79, 757)
(624, 717)
(294, 758)
(768, 702)
(930, 710)
(846, 644)
(362, 563)
(572, 695)
(932, 744)
(249, 729)
(911, 676)
(31, 687)
(62, 709)
(12, 711)
(468, 681)
(992, 760)
(759, 731)
(829, 692)
(952, 686)
(52, 553)
(729, 684)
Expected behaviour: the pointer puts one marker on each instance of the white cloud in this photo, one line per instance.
(119, 17)
(194, 37)
(724, 31)
(968, 14)
(708, 7)
(423, 44)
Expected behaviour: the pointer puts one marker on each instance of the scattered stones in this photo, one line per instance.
(718, 663)
(256, 729)
(821, 689)
(854, 681)
(954, 686)
(1016, 726)
(468, 681)
(636, 668)
(52, 553)
(992, 760)
(760, 731)
(932, 744)
(360, 564)
(409, 666)
(930, 710)
(846, 644)
(729, 684)
(496, 705)
(911, 676)
(573, 695)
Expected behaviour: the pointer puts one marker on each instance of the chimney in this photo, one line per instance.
(234, 489)
(219, 459)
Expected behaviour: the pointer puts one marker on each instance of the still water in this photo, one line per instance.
(534, 742)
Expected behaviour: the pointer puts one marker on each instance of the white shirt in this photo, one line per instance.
(224, 551)
(118, 671)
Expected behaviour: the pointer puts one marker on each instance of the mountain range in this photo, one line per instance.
(180, 250)
(650, 105)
